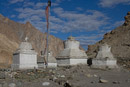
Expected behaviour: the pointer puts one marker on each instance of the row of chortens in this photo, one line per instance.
(25, 56)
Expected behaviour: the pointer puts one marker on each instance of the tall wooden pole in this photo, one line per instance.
(48, 30)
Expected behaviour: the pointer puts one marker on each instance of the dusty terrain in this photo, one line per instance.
(76, 76)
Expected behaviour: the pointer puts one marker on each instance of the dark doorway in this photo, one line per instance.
(89, 61)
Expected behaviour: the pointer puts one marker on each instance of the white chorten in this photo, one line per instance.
(25, 57)
(71, 55)
(104, 58)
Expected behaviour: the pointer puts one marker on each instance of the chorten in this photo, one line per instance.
(71, 55)
(25, 57)
(104, 58)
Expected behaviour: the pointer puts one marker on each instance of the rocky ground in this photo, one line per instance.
(76, 76)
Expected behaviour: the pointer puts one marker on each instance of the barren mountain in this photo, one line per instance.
(12, 33)
(118, 39)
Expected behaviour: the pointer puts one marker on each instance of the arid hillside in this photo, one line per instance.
(118, 39)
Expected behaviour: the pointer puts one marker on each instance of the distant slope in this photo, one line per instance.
(118, 39)
(12, 33)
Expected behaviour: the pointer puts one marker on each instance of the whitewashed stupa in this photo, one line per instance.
(71, 55)
(104, 58)
(25, 57)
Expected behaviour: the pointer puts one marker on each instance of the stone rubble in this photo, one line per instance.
(64, 77)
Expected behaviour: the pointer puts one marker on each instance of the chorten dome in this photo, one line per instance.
(105, 47)
(25, 46)
(71, 43)
(71, 38)
(105, 52)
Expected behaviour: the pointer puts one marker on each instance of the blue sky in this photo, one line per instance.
(86, 20)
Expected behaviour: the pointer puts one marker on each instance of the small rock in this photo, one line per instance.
(88, 75)
(28, 73)
(92, 82)
(55, 78)
(50, 71)
(12, 85)
(102, 81)
(53, 72)
(67, 84)
(116, 82)
(95, 75)
(62, 76)
(39, 71)
(124, 65)
(75, 71)
(82, 70)
(45, 83)
(60, 81)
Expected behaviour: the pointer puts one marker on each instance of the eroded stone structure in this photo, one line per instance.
(52, 63)
(71, 55)
(104, 58)
(25, 57)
